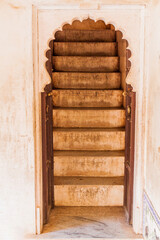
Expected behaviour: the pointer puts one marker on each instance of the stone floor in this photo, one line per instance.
(88, 222)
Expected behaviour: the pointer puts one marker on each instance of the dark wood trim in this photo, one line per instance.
(47, 139)
(44, 158)
(50, 146)
(47, 154)
(129, 105)
(129, 151)
(49, 55)
(48, 88)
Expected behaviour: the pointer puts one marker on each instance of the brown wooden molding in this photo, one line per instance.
(49, 66)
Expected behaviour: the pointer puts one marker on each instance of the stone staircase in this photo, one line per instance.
(88, 119)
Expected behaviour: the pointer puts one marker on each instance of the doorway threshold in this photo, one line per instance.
(88, 223)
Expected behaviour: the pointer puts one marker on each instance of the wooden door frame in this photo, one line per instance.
(128, 103)
(129, 152)
(135, 77)
(47, 153)
(44, 157)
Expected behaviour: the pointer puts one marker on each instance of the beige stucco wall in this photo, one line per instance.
(152, 165)
(18, 112)
(17, 194)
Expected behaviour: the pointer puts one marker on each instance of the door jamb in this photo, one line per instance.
(37, 110)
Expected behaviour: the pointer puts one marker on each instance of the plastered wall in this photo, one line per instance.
(18, 194)
(152, 164)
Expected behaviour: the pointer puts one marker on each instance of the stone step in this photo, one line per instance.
(89, 139)
(85, 64)
(85, 36)
(88, 117)
(85, 49)
(86, 80)
(88, 191)
(97, 164)
(87, 98)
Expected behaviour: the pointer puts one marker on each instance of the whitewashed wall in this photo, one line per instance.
(20, 156)
(17, 176)
(152, 164)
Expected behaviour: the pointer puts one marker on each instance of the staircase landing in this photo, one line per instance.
(88, 222)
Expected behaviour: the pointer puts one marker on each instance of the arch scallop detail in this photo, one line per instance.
(89, 24)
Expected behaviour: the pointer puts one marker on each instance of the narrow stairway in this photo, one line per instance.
(88, 119)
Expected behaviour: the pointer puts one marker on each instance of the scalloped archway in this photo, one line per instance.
(89, 24)
(124, 66)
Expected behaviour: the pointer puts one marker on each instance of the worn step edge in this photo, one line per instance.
(89, 108)
(103, 35)
(89, 153)
(89, 130)
(87, 98)
(85, 49)
(88, 139)
(92, 118)
(83, 79)
(89, 165)
(92, 64)
(89, 181)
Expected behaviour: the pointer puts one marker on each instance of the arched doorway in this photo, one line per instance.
(93, 119)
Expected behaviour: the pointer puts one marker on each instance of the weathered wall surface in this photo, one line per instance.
(151, 202)
(17, 195)
(152, 173)
(17, 112)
